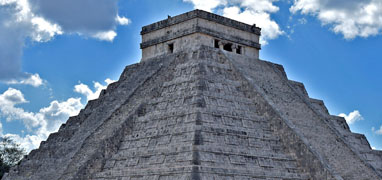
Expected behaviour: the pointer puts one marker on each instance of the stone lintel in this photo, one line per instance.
(203, 15)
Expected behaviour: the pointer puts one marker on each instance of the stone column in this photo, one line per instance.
(221, 45)
(234, 47)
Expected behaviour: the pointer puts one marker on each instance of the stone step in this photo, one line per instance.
(299, 87)
(319, 105)
(340, 124)
(244, 152)
(357, 141)
(204, 173)
(374, 157)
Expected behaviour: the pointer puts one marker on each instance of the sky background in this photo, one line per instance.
(56, 55)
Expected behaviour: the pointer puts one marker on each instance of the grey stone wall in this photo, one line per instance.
(180, 31)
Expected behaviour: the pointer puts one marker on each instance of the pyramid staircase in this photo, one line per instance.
(203, 114)
(202, 123)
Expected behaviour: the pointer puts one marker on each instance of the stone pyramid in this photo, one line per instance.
(201, 106)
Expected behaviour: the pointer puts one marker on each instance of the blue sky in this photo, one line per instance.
(54, 56)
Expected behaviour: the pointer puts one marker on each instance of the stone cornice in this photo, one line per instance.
(198, 29)
(200, 14)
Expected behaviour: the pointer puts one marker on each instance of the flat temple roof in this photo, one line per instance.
(200, 14)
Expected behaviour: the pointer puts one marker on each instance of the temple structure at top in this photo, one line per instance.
(195, 28)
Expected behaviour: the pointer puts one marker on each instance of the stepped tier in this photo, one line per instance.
(203, 114)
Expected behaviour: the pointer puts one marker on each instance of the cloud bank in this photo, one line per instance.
(48, 119)
(42, 20)
(351, 18)
(248, 11)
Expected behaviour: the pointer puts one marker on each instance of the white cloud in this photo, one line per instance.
(31, 79)
(352, 18)
(8, 100)
(48, 119)
(41, 123)
(44, 29)
(81, 16)
(109, 81)
(122, 20)
(248, 11)
(105, 36)
(56, 110)
(90, 95)
(15, 27)
(12, 97)
(207, 5)
(29, 142)
(42, 20)
(377, 131)
(270, 29)
(352, 117)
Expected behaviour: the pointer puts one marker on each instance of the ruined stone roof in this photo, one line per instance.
(203, 114)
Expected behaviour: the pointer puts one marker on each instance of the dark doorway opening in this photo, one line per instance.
(216, 43)
(239, 50)
(171, 47)
(228, 47)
